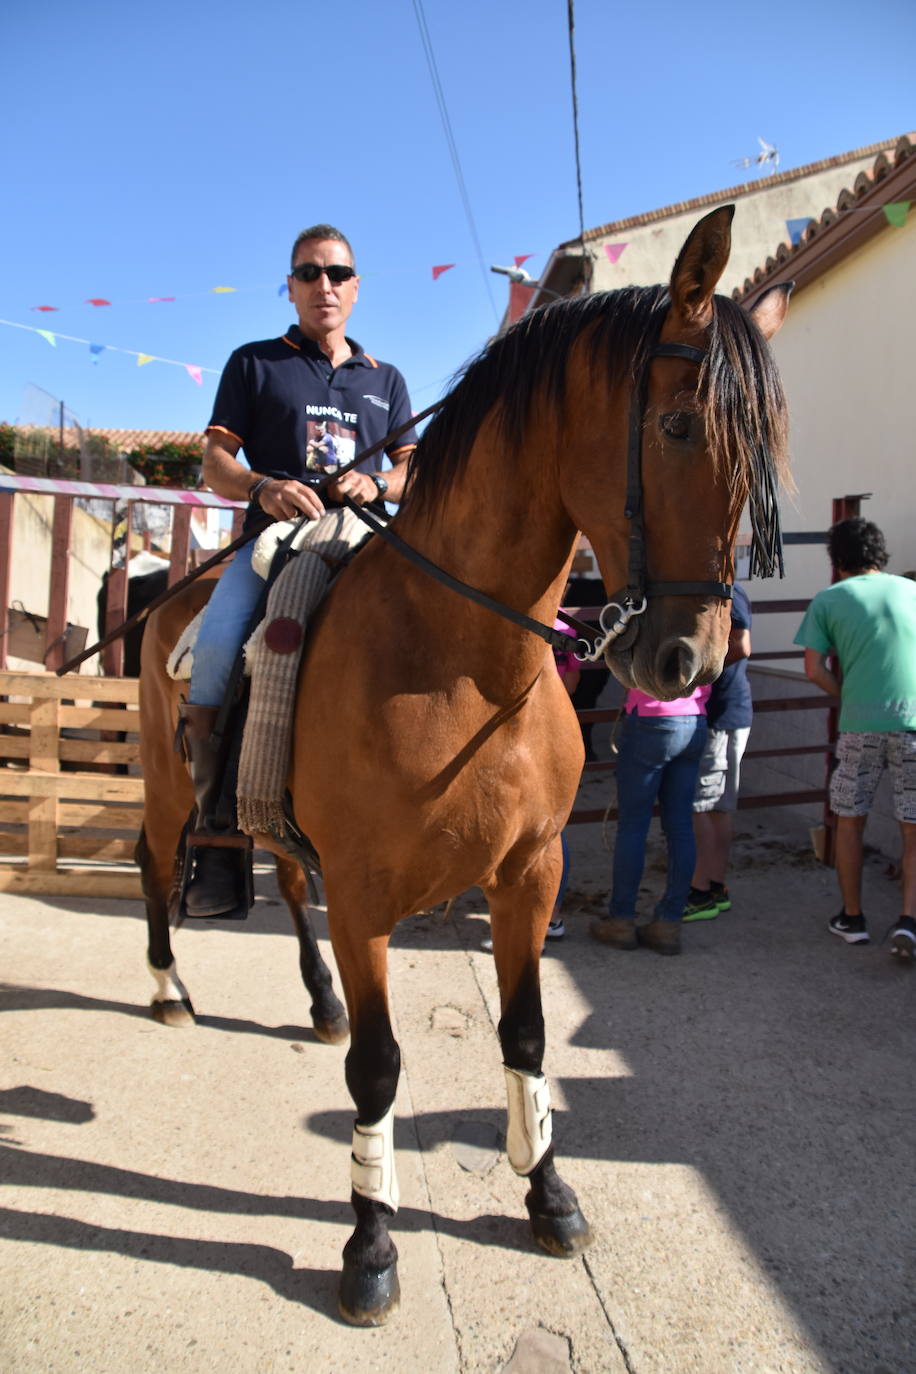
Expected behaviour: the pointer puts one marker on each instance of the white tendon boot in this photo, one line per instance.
(372, 1171)
(529, 1129)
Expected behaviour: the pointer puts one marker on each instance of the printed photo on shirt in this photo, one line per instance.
(330, 446)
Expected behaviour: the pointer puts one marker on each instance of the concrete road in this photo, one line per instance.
(739, 1124)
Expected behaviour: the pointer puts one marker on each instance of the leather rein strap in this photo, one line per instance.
(632, 600)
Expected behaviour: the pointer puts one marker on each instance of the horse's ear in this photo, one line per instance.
(771, 309)
(700, 264)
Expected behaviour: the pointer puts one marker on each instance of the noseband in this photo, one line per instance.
(634, 598)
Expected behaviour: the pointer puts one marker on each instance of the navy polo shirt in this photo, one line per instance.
(281, 398)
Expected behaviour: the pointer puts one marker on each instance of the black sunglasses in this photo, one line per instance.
(311, 271)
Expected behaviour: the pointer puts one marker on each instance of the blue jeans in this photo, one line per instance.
(658, 759)
(223, 629)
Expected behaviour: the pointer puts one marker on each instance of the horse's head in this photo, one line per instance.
(699, 428)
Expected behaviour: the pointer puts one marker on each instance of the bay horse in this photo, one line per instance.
(435, 748)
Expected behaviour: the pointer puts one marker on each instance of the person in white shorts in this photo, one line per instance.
(729, 713)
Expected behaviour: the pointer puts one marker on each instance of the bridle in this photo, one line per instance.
(633, 600)
(589, 643)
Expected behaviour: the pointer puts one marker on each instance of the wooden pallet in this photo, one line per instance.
(68, 821)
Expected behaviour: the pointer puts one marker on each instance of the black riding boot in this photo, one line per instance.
(217, 883)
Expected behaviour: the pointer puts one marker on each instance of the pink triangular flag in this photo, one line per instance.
(443, 267)
(194, 373)
(97, 300)
(614, 250)
(144, 358)
(522, 257)
(150, 299)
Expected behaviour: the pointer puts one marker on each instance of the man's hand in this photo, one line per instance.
(818, 672)
(359, 486)
(287, 499)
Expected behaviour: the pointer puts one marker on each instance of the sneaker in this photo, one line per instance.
(701, 906)
(556, 930)
(849, 928)
(903, 938)
(486, 944)
(720, 892)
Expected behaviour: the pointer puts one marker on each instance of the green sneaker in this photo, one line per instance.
(701, 906)
(720, 892)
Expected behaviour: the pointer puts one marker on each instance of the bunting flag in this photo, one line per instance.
(443, 267)
(44, 307)
(151, 299)
(281, 289)
(96, 348)
(96, 300)
(522, 257)
(797, 227)
(896, 212)
(222, 290)
(614, 251)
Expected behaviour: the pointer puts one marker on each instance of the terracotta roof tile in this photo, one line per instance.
(857, 216)
(735, 192)
(124, 440)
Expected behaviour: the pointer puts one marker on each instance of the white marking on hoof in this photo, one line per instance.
(169, 987)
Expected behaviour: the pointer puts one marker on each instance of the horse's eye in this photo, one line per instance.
(677, 424)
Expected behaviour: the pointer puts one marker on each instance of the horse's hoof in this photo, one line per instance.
(367, 1296)
(333, 1031)
(174, 1013)
(563, 1237)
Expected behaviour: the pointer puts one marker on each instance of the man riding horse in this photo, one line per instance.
(273, 397)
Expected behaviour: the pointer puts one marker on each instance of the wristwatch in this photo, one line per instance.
(379, 482)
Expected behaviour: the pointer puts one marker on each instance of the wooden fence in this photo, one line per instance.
(69, 817)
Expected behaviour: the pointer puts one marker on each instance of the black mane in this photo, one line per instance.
(738, 387)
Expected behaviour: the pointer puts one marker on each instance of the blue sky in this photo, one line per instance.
(165, 149)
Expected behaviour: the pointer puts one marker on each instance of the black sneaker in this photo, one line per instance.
(701, 906)
(903, 938)
(849, 928)
(720, 892)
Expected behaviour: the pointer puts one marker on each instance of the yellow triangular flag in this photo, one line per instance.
(143, 358)
(221, 290)
(46, 334)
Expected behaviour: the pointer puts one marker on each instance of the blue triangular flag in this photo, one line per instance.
(95, 350)
(281, 288)
(797, 227)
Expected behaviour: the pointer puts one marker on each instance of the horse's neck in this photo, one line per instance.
(502, 529)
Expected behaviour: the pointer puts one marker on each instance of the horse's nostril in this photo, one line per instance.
(676, 661)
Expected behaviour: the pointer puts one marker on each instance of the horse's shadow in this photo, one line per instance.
(16, 997)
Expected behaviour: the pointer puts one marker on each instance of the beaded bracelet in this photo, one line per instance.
(258, 487)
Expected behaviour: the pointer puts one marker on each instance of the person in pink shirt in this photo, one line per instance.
(659, 751)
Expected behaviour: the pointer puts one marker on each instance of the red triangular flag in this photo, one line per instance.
(45, 307)
(614, 250)
(444, 267)
(96, 300)
(522, 257)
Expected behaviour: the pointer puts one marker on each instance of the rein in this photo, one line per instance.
(590, 643)
(257, 528)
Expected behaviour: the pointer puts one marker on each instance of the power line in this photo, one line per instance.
(571, 25)
(452, 145)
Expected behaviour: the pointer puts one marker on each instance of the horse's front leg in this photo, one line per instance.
(369, 1290)
(328, 1016)
(519, 916)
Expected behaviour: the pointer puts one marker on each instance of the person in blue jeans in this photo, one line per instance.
(661, 743)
